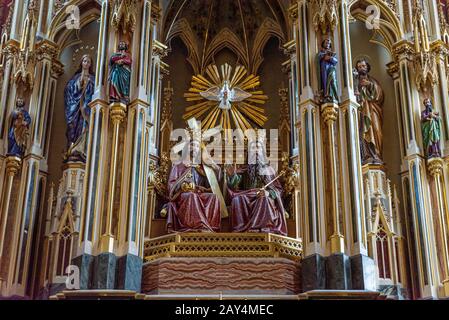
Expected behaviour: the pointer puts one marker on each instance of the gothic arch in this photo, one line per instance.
(226, 39)
(268, 30)
(89, 11)
(390, 29)
(183, 30)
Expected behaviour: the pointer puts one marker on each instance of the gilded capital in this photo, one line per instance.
(435, 167)
(13, 165)
(330, 113)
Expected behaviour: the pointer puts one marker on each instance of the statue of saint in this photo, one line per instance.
(256, 195)
(431, 131)
(18, 130)
(120, 74)
(328, 61)
(193, 207)
(371, 98)
(77, 96)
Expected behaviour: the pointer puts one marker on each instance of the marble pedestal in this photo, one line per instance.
(221, 275)
(313, 273)
(109, 272)
(85, 264)
(363, 273)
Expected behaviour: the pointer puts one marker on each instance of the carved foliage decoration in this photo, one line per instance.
(24, 70)
(426, 69)
(325, 17)
(124, 15)
(424, 59)
(158, 176)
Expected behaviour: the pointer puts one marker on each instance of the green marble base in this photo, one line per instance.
(129, 273)
(313, 273)
(338, 272)
(105, 266)
(85, 264)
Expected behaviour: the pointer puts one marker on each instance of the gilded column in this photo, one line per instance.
(8, 90)
(436, 166)
(13, 165)
(330, 116)
(117, 114)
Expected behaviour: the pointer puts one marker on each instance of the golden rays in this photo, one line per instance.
(226, 98)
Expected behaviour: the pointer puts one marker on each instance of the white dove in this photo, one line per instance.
(225, 95)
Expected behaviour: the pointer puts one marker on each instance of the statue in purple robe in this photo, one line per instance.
(77, 96)
(327, 60)
(256, 194)
(193, 207)
(120, 74)
(18, 130)
(431, 131)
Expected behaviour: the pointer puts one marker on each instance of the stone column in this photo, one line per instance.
(308, 148)
(361, 265)
(24, 214)
(425, 245)
(112, 234)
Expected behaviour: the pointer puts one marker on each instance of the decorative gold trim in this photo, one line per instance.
(223, 245)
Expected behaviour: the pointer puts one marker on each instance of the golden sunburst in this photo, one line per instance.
(229, 99)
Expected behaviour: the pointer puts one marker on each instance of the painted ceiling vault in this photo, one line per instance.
(243, 26)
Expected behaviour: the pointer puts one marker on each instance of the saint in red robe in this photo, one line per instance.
(254, 210)
(192, 207)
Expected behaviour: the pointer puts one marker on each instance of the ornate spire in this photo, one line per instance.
(325, 17)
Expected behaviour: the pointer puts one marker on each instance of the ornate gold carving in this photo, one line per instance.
(58, 5)
(435, 166)
(292, 175)
(330, 113)
(118, 112)
(325, 17)
(158, 175)
(24, 72)
(13, 165)
(284, 107)
(403, 48)
(47, 49)
(124, 15)
(160, 49)
(444, 26)
(424, 58)
(155, 12)
(293, 12)
(426, 69)
(223, 245)
(167, 111)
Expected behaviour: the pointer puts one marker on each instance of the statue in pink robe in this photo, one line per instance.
(192, 207)
(255, 209)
